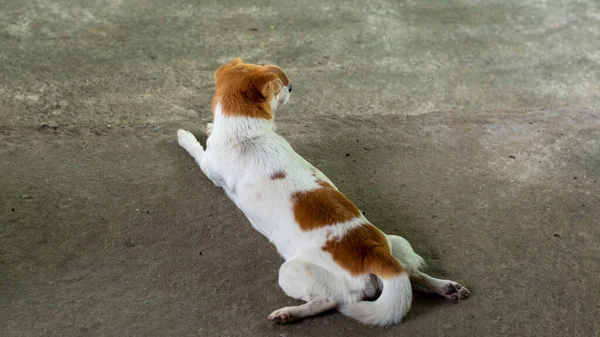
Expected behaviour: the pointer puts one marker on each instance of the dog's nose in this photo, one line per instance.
(290, 87)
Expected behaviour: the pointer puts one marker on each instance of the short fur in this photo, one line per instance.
(335, 258)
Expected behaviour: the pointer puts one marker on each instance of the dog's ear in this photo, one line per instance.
(235, 61)
(231, 63)
(265, 81)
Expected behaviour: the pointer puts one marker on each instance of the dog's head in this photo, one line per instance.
(250, 90)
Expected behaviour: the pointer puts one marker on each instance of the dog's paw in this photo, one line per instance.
(209, 129)
(455, 291)
(281, 316)
(187, 141)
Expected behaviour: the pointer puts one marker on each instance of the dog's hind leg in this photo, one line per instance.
(447, 288)
(403, 252)
(289, 314)
(308, 282)
(412, 262)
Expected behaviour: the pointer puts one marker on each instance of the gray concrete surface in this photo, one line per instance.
(472, 128)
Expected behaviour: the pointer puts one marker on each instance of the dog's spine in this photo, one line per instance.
(393, 303)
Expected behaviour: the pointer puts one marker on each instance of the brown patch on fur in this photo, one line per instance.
(246, 90)
(364, 250)
(321, 207)
(323, 183)
(278, 175)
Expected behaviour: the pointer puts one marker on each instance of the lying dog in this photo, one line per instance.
(334, 257)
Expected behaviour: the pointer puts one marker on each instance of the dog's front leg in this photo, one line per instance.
(209, 128)
(187, 141)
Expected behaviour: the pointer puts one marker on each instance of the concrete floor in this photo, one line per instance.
(472, 128)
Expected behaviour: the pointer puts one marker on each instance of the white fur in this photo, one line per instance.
(393, 303)
(241, 156)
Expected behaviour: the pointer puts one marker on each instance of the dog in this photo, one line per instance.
(334, 257)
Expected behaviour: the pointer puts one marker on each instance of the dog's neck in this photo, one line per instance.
(238, 128)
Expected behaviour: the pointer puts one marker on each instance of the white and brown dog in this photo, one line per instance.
(334, 257)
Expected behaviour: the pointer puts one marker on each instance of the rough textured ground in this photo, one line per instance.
(472, 128)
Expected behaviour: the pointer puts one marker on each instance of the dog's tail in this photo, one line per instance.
(393, 303)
